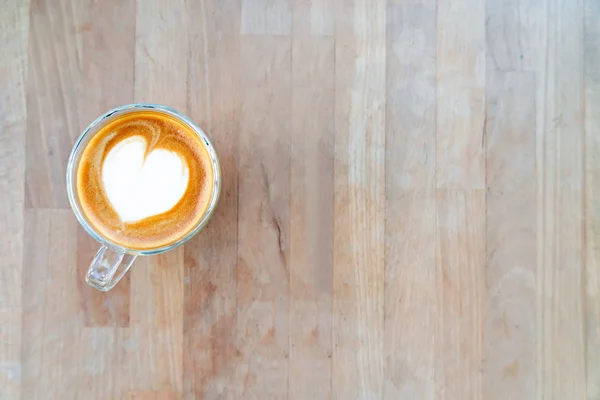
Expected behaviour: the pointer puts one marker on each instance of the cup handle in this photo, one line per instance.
(107, 268)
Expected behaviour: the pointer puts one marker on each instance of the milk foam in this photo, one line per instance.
(140, 186)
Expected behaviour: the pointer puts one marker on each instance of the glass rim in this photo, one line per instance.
(91, 130)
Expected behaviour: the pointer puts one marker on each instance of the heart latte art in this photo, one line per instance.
(140, 185)
(145, 180)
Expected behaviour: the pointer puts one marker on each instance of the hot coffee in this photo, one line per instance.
(144, 180)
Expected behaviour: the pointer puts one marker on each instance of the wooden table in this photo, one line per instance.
(409, 210)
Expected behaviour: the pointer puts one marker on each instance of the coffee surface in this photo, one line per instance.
(144, 180)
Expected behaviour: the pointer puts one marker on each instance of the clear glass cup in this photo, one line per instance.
(112, 261)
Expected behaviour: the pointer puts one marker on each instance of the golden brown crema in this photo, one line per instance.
(144, 147)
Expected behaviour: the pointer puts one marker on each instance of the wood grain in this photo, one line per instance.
(160, 74)
(408, 206)
(156, 326)
(460, 69)
(511, 233)
(591, 49)
(410, 266)
(13, 114)
(263, 271)
(51, 321)
(460, 256)
(560, 338)
(266, 17)
(53, 93)
(512, 29)
(311, 215)
(460, 199)
(313, 17)
(359, 202)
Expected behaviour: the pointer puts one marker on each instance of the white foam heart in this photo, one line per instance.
(140, 186)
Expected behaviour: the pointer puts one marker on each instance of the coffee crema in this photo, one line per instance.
(145, 180)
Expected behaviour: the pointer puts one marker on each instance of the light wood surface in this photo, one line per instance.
(410, 205)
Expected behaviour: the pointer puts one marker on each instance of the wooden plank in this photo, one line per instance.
(161, 53)
(591, 42)
(52, 94)
(358, 249)
(460, 200)
(211, 258)
(106, 40)
(410, 296)
(14, 18)
(51, 324)
(512, 29)
(263, 218)
(509, 368)
(155, 335)
(560, 337)
(266, 17)
(100, 356)
(411, 307)
(411, 98)
(460, 94)
(311, 216)
(460, 282)
(35, 273)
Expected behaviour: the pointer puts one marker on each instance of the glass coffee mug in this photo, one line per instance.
(112, 261)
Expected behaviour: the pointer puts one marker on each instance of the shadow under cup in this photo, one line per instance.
(112, 261)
